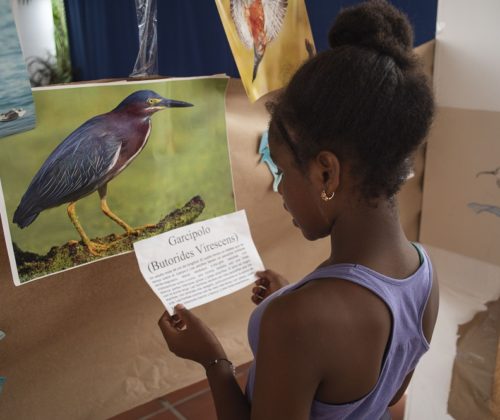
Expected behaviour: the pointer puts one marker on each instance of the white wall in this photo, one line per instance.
(467, 62)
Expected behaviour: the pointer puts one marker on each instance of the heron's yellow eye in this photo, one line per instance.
(151, 101)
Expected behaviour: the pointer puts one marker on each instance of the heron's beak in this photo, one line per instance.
(170, 103)
(157, 104)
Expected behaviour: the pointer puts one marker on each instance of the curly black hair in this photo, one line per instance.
(366, 99)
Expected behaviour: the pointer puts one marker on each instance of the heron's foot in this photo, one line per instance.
(144, 227)
(136, 231)
(96, 249)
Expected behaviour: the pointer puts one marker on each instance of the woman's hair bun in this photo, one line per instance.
(377, 25)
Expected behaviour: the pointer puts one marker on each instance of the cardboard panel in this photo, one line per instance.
(461, 205)
(84, 344)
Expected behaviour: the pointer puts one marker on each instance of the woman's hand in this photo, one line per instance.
(188, 337)
(267, 283)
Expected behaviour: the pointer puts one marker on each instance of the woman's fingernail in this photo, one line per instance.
(180, 306)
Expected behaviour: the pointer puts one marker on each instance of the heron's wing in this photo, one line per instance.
(274, 15)
(237, 8)
(77, 167)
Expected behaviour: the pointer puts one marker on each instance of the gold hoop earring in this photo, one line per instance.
(326, 197)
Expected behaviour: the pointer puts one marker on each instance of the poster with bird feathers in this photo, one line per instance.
(109, 164)
(269, 40)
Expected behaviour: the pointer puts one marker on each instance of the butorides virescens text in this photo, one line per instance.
(89, 158)
(258, 22)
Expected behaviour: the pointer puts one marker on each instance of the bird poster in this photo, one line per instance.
(17, 111)
(269, 40)
(110, 164)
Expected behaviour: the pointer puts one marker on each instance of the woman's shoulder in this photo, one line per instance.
(330, 303)
(323, 323)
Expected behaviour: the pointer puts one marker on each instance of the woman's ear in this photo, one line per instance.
(327, 171)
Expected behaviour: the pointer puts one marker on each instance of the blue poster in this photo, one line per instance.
(17, 111)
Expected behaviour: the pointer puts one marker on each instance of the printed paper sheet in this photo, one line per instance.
(201, 262)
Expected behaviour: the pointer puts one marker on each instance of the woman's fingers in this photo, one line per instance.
(186, 316)
(257, 299)
(267, 282)
(258, 294)
(177, 322)
(170, 322)
(165, 318)
(267, 277)
(259, 291)
(167, 328)
(263, 281)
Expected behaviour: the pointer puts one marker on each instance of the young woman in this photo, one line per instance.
(342, 343)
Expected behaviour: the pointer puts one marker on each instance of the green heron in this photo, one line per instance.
(258, 22)
(89, 158)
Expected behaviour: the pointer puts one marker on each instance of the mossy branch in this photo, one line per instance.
(71, 254)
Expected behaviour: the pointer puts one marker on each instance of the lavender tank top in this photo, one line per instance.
(406, 299)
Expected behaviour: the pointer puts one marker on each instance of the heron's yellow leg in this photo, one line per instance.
(94, 248)
(107, 211)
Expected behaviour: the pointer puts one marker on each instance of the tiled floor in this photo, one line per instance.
(191, 403)
(195, 403)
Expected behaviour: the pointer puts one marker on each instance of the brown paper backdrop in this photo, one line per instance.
(85, 344)
(463, 143)
(473, 377)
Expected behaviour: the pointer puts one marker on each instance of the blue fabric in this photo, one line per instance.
(191, 39)
(422, 15)
(103, 38)
(406, 299)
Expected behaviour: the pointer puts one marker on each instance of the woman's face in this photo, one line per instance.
(300, 193)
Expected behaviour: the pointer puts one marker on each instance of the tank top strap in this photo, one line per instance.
(417, 286)
(348, 272)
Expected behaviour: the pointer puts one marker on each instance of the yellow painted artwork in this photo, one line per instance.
(269, 39)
